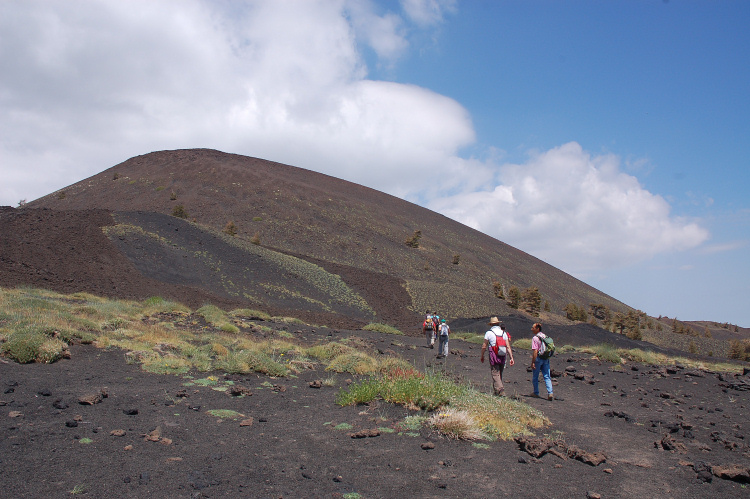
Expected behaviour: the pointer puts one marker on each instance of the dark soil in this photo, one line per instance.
(153, 435)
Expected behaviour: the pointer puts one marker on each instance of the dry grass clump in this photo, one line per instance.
(472, 415)
(456, 424)
(353, 362)
(382, 328)
(251, 314)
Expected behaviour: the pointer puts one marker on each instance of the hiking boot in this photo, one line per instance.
(550, 396)
(534, 395)
(432, 346)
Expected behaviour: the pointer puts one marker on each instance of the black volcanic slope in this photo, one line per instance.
(349, 231)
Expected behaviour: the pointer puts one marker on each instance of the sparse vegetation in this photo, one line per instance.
(456, 259)
(497, 287)
(482, 415)
(179, 212)
(514, 297)
(740, 350)
(230, 229)
(575, 313)
(532, 301)
(413, 241)
(382, 328)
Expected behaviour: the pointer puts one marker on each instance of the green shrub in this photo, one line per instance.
(522, 344)
(382, 328)
(179, 212)
(229, 328)
(212, 314)
(605, 351)
(354, 363)
(247, 313)
(23, 347)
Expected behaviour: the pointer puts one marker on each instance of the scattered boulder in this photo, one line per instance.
(316, 384)
(591, 458)
(621, 415)
(428, 446)
(237, 391)
(536, 447)
(669, 443)
(373, 432)
(59, 404)
(734, 472)
(93, 398)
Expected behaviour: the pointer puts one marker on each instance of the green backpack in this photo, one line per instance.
(546, 348)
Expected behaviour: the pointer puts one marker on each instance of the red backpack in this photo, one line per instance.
(500, 343)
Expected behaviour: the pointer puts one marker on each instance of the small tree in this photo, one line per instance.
(692, 347)
(456, 258)
(413, 242)
(173, 196)
(514, 297)
(575, 313)
(498, 289)
(179, 212)
(546, 306)
(635, 334)
(532, 300)
(230, 229)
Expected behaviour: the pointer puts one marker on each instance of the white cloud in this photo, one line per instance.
(427, 12)
(88, 84)
(578, 212)
(724, 248)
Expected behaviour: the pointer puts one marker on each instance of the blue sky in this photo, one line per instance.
(609, 139)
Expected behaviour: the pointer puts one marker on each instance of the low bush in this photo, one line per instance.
(382, 328)
(492, 417)
(456, 424)
(251, 314)
(353, 362)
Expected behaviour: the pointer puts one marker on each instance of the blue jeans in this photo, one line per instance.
(541, 365)
(443, 345)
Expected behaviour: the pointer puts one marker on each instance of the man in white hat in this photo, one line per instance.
(497, 341)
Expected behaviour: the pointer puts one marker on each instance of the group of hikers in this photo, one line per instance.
(497, 342)
(433, 326)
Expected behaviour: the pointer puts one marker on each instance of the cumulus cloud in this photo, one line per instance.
(574, 210)
(88, 84)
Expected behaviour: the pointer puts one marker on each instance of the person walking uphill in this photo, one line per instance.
(428, 329)
(539, 364)
(497, 341)
(444, 330)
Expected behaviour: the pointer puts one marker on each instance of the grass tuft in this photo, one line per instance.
(382, 328)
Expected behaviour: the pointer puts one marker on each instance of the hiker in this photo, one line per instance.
(444, 330)
(539, 364)
(428, 329)
(497, 341)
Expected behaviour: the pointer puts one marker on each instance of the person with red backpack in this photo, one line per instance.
(497, 341)
(428, 329)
